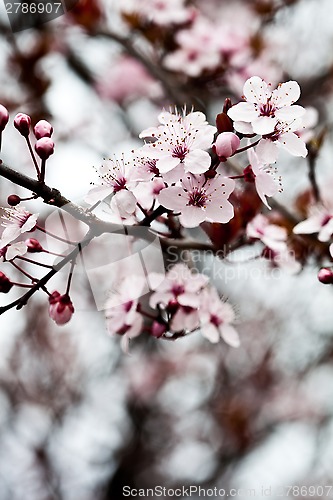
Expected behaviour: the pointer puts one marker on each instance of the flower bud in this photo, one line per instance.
(227, 105)
(226, 144)
(4, 117)
(5, 283)
(33, 245)
(22, 123)
(325, 276)
(223, 123)
(44, 148)
(13, 200)
(61, 308)
(157, 329)
(43, 129)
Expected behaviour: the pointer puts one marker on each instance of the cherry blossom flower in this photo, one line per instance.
(272, 235)
(264, 108)
(17, 249)
(161, 12)
(199, 199)
(320, 222)
(198, 49)
(16, 222)
(180, 139)
(180, 285)
(282, 258)
(61, 308)
(121, 310)
(262, 176)
(126, 80)
(179, 295)
(119, 178)
(285, 136)
(216, 318)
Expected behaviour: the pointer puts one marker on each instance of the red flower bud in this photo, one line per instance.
(44, 147)
(5, 283)
(22, 123)
(157, 329)
(4, 117)
(33, 245)
(227, 105)
(223, 123)
(325, 276)
(13, 200)
(61, 308)
(43, 129)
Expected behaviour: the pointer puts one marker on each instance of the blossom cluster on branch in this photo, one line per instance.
(181, 177)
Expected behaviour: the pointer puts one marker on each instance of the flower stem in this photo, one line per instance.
(33, 158)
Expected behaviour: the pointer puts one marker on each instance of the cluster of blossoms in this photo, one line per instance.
(181, 177)
(226, 47)
(182, 302)
(175, 170)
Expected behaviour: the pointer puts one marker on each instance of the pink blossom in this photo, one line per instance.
(180, 286)
(265, 183)
(320, 222)
(180, 139)
(199, 199)
(264, 108)
(117, 177)
(61, 308)
(126, 80)
(309, 121)
(216, 318)
(273, 236)
(198, 49)
(16, 222)
(226, 145)
(179, 294)
(121, 310)
(284, 136)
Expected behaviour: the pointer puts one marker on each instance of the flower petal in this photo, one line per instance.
(230, 335)
(293, 144)
(267, 151)
(256, 90)
(192, 216)
(286, 94)
(264, 125)
(197, 162)
(243, 112)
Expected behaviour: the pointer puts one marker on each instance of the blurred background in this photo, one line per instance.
(79, 420)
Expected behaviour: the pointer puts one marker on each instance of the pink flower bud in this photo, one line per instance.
(5, 283)
(157, 329)
(33, 245)
(226, 144)
(43, 129)
(22, 123)
(4, 117)
(61, 308)
(325, 276)
(44, 148)
(13, 200)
